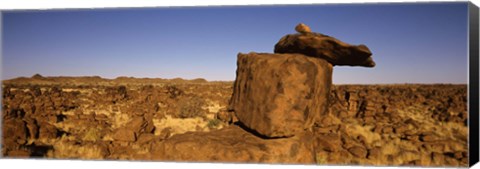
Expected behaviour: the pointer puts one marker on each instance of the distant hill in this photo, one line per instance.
(97, 80)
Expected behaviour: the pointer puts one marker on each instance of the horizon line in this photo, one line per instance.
(209, 80)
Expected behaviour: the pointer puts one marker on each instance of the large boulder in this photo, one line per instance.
(322, 46)
(280, 95)
(234, 144)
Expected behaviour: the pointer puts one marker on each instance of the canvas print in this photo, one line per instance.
(339, 84)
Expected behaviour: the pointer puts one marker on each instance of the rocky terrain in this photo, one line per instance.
(281, 108)
(59, 120)
(367, 124)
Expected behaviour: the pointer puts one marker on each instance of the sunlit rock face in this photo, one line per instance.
(280, 95)
(325, 47)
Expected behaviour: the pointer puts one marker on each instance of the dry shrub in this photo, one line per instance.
(92, 135)
(178, 125)
(64, 149)
(191, 107)
(320, 158)
(120, 119)
(213, 123)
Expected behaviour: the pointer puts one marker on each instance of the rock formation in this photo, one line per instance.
(302, 28)
(277, 98)
(277, 101)
(234, 144)
(279, 95)
(325, 47)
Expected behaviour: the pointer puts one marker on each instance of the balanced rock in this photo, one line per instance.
(280, 95)
(302, 28)
(322, 46)
(234, 144)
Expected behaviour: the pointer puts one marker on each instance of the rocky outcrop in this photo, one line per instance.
(234, 144)
(279, 95)
(276, 98)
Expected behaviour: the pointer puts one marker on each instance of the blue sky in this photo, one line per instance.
(411, 43)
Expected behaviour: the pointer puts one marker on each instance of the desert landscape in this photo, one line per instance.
(126, 118)
(282, 109)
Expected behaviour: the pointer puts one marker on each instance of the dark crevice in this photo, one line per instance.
(241, 125)
(60, 133)
(61, 118)
(39, 150)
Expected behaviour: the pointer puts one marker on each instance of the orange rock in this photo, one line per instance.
(374, 153)
(293, 99)
(358, 151)
(47, 130)
(302, 28)
(165, 133)
(322, 46)
(329, 142)
(387, 130)
(145, 137)
(458, 155)
(18, 153)
(124, 134)
(137, 124)
(233, 144)
(428, 138)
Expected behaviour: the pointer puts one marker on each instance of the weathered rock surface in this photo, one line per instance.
(16, 131)
(322, 46)
(124, 134)
(234, 144)
(280, 95)
(47, 130)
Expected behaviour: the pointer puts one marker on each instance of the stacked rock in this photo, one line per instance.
(283, 94)
(324, 47)
(276, 98)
